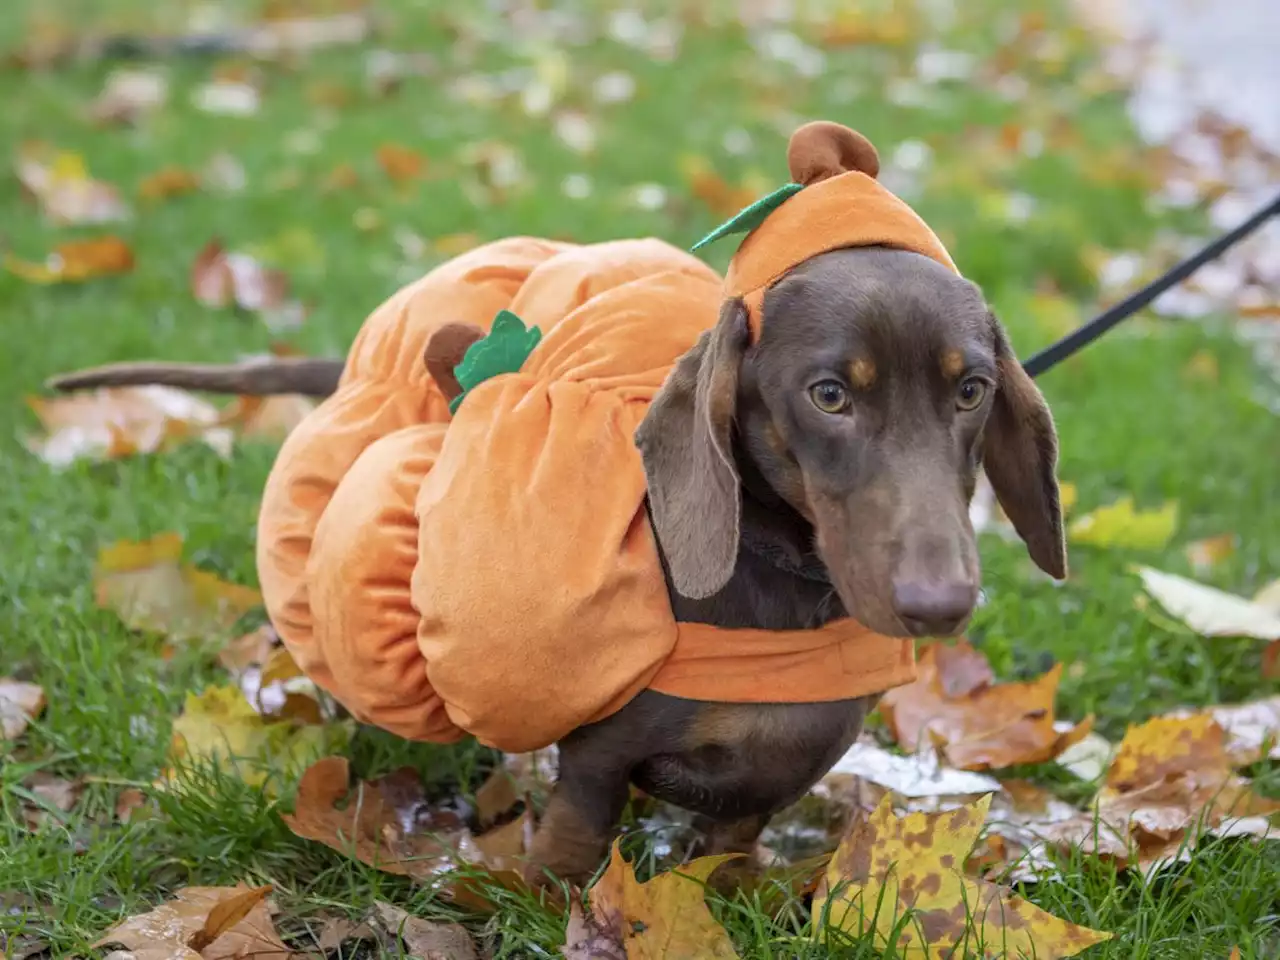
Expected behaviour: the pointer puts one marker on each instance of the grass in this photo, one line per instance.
(1132, 420)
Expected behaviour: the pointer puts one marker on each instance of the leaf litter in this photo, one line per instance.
(59, 181)
(76, 261)
(20, 703)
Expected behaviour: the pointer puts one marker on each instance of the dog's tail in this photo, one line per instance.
(312, 377)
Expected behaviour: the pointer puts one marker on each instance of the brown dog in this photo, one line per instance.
(824, 471)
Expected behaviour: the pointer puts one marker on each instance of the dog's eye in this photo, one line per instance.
(971, 394)
(829, 396)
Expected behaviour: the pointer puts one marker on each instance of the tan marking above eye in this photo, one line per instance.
(862, 373)
(952, 363)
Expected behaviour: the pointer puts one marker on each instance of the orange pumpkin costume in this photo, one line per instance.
(494, 572)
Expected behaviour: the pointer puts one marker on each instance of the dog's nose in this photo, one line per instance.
(931, 609)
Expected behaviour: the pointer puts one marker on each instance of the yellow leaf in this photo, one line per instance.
(1067, 495)
(1209, 611)
(218, 724)
(76, 261)
(150, 589)
(1122, 525)
(665, 917)
(1166, 747)
(901, 880)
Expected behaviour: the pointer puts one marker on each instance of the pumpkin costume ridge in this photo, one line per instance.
(493, 572)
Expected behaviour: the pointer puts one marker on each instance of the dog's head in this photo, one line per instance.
(879, 384)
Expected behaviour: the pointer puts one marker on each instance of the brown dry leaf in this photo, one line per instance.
(1166, 747)
(20, 703)
(665, 917)
(915, 863)
(400, 163)
(722, 198)
(1271, 660)
(341, 177)
(268, 418)
(1252, 729)
(128, 95)
(53, 794)
(76, 261)
(169, 182)
(130, 799)
(62, 186)
(423, 939)
(172, 930)
(335, 931)
(384, 824)
(984, 725)
(113, 422)
(149, 587)
(250, 650)
(220, 278)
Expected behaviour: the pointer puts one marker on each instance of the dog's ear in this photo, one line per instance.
(685, 441)
(1020, 456)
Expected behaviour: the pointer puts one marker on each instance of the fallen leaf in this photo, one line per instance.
(166, 932)
(1121, 524)
(1089, 757)
(60, 183)
(251, 649)
(917, 776)
(1211, 551)
(20, 703)
(1164, 747)
(1252, 730)
(400, 163)
(225, 914)
(915, 864)
(384, 824)
(113, 422)
(341, 177)
(665, 917)
(1209, 611)
(455, 244)
(267, 418)
(130, 799)
(128, 95)
(219, 725)
(220, 278)
(1271, 661)
(985, 725)
(76, 261)
(168, 182)
(52, 794)
(151, 589)
(425, 940)
(335, 931)
(227, 97)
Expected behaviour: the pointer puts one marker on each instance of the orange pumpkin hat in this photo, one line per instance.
(491, 571)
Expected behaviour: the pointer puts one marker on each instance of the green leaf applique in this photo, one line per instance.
(747, 219)
(504, 350)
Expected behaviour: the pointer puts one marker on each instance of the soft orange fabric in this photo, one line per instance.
(495, 573)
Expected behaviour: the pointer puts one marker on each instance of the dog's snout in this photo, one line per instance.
(935, 609)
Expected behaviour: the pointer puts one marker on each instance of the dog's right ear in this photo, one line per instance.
(685, 441)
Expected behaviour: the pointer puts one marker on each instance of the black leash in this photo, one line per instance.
(1078, 339)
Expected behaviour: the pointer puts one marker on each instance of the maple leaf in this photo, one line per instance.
(901, 880)
(20, 703)
(1121, 524)
(62, 186)
(267, 418)
(212, 923)
(981, 724)
(113, 422)
(148, 586)
(382, 825)
(128, 95)
(220, 725)
(49, 795)
(504, 350)
(1209, 611)
(664, 917)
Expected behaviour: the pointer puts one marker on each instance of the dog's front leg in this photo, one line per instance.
(580, 819)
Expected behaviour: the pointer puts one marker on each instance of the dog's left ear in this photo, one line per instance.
(685, 442)
(1020, 456)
